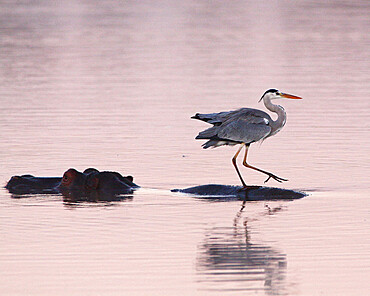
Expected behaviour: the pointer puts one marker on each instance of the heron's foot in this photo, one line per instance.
(276, 178)
(245, 187)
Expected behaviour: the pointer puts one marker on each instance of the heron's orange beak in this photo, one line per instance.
(288, 96)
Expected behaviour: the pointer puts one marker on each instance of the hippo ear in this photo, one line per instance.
(130, 178)
(92, 182)
(90, 170)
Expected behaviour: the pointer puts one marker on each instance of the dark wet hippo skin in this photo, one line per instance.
(128, 180)
(109, 183)
(28, 184)
(252, 193)
(91, 184)
(95, 185)
(73, 183)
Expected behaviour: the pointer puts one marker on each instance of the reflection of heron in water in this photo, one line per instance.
(228, 261)
(245, 126)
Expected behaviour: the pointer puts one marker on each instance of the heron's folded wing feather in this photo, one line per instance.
(247, 131)
(208, 133)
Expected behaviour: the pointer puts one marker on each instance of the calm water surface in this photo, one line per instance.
(112, 85)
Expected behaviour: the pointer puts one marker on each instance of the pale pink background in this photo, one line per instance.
(112, 85)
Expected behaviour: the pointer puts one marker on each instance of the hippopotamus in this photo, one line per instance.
(94, 185)
(250, 193)
(89, 184)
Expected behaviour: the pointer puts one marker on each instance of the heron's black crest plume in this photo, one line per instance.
(271, 90)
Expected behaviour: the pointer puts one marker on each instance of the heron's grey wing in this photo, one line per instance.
(208, 133)
(251, 115)
(213, 118)
(246, 131)
(243, 125)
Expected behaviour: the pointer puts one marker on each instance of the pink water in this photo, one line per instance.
(113, 85)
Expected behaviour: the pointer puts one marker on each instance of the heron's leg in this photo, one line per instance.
(262, 171)
(236, 167)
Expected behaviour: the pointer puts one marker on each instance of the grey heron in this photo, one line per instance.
(245, 126)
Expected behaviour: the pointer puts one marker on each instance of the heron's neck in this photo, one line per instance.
(280, 121)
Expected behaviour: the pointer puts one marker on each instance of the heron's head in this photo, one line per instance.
(273, 94)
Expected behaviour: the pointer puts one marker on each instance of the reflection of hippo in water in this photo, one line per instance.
(89, 184)
(252, 193)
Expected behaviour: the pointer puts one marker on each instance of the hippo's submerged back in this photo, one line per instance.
(28, 184)
(252, 193)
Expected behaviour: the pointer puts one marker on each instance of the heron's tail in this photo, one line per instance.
(210, 143)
